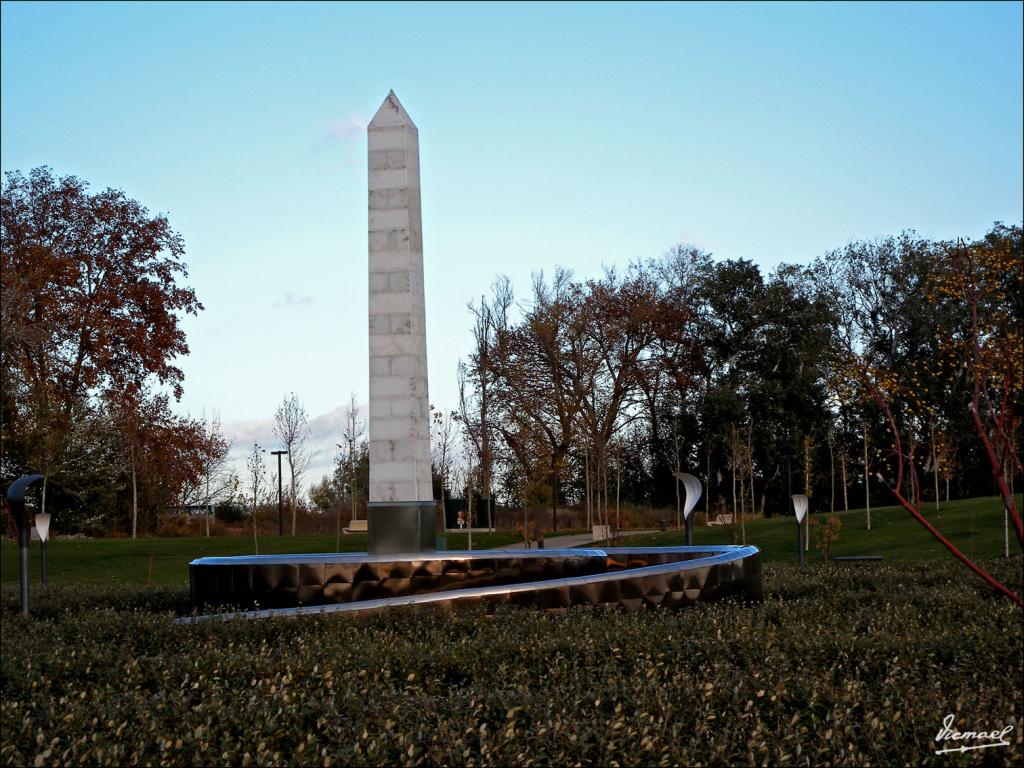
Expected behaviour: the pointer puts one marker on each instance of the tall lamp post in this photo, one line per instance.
(16, 502)
(280, 514)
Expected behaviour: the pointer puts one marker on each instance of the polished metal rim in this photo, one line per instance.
(713, 556)
(362, 557)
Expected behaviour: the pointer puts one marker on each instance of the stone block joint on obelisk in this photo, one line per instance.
(401, 512)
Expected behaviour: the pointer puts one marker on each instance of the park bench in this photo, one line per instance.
(722, 519)
(356, 526)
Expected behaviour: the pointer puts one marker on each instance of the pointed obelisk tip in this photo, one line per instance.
(392, 114)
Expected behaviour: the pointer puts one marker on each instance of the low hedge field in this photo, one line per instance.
(841, 665)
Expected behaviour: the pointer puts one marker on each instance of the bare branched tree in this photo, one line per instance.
(442, 448)
(257, 474)
(348, 460)
(219, 481)
(215, 481)
(476, 384)
(291, 428)
(540, 403)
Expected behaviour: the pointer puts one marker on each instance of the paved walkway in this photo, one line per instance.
(571, 540)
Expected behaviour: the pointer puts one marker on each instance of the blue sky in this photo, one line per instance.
(573, 134)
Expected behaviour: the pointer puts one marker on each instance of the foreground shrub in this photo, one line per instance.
(841, 665)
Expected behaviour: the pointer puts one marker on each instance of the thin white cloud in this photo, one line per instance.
(342, 129)
(289, 299)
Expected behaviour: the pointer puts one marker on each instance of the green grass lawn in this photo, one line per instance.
(126, 561)
(975, 526)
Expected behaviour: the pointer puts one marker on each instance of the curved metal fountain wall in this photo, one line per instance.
(630, 577)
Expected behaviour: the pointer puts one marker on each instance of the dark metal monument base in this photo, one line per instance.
(401, 527)
(628, 577)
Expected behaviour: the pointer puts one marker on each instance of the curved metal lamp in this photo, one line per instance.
(693, 489)
(16, 499)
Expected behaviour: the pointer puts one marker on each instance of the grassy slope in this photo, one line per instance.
(973, 525)
(125, 561)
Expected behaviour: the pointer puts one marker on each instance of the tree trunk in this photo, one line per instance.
(807, 467)
(1006, 531)
(750, 465)
(789, 480)
(867, 477)
(618, 487)
(846, 499)
(291, 471)
(255, 540)
(485, 444)
(935, 458)
(679, 504)
(915, 492)
(1008, 479)
(607, 497)
(832, 471)
(526, 525)
(707, 495)
(469, 509)
(209, 507)
(807, 488)
(675, 453)
(586, 472)
(602, 468)
(734, 490)
(743, 506)
(764, 488)
(554, 492)
(135, 495)
(352, 485)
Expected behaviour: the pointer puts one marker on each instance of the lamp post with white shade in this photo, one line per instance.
(16, 502)
(693, 490)
(800, 509)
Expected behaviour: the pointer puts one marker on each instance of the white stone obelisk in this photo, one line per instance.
(401, 515)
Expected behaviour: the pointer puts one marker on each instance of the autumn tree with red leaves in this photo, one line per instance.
(926, 322)
(91, 314)
(984, 286)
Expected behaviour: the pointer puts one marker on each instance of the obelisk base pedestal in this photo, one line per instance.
(395, 527)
